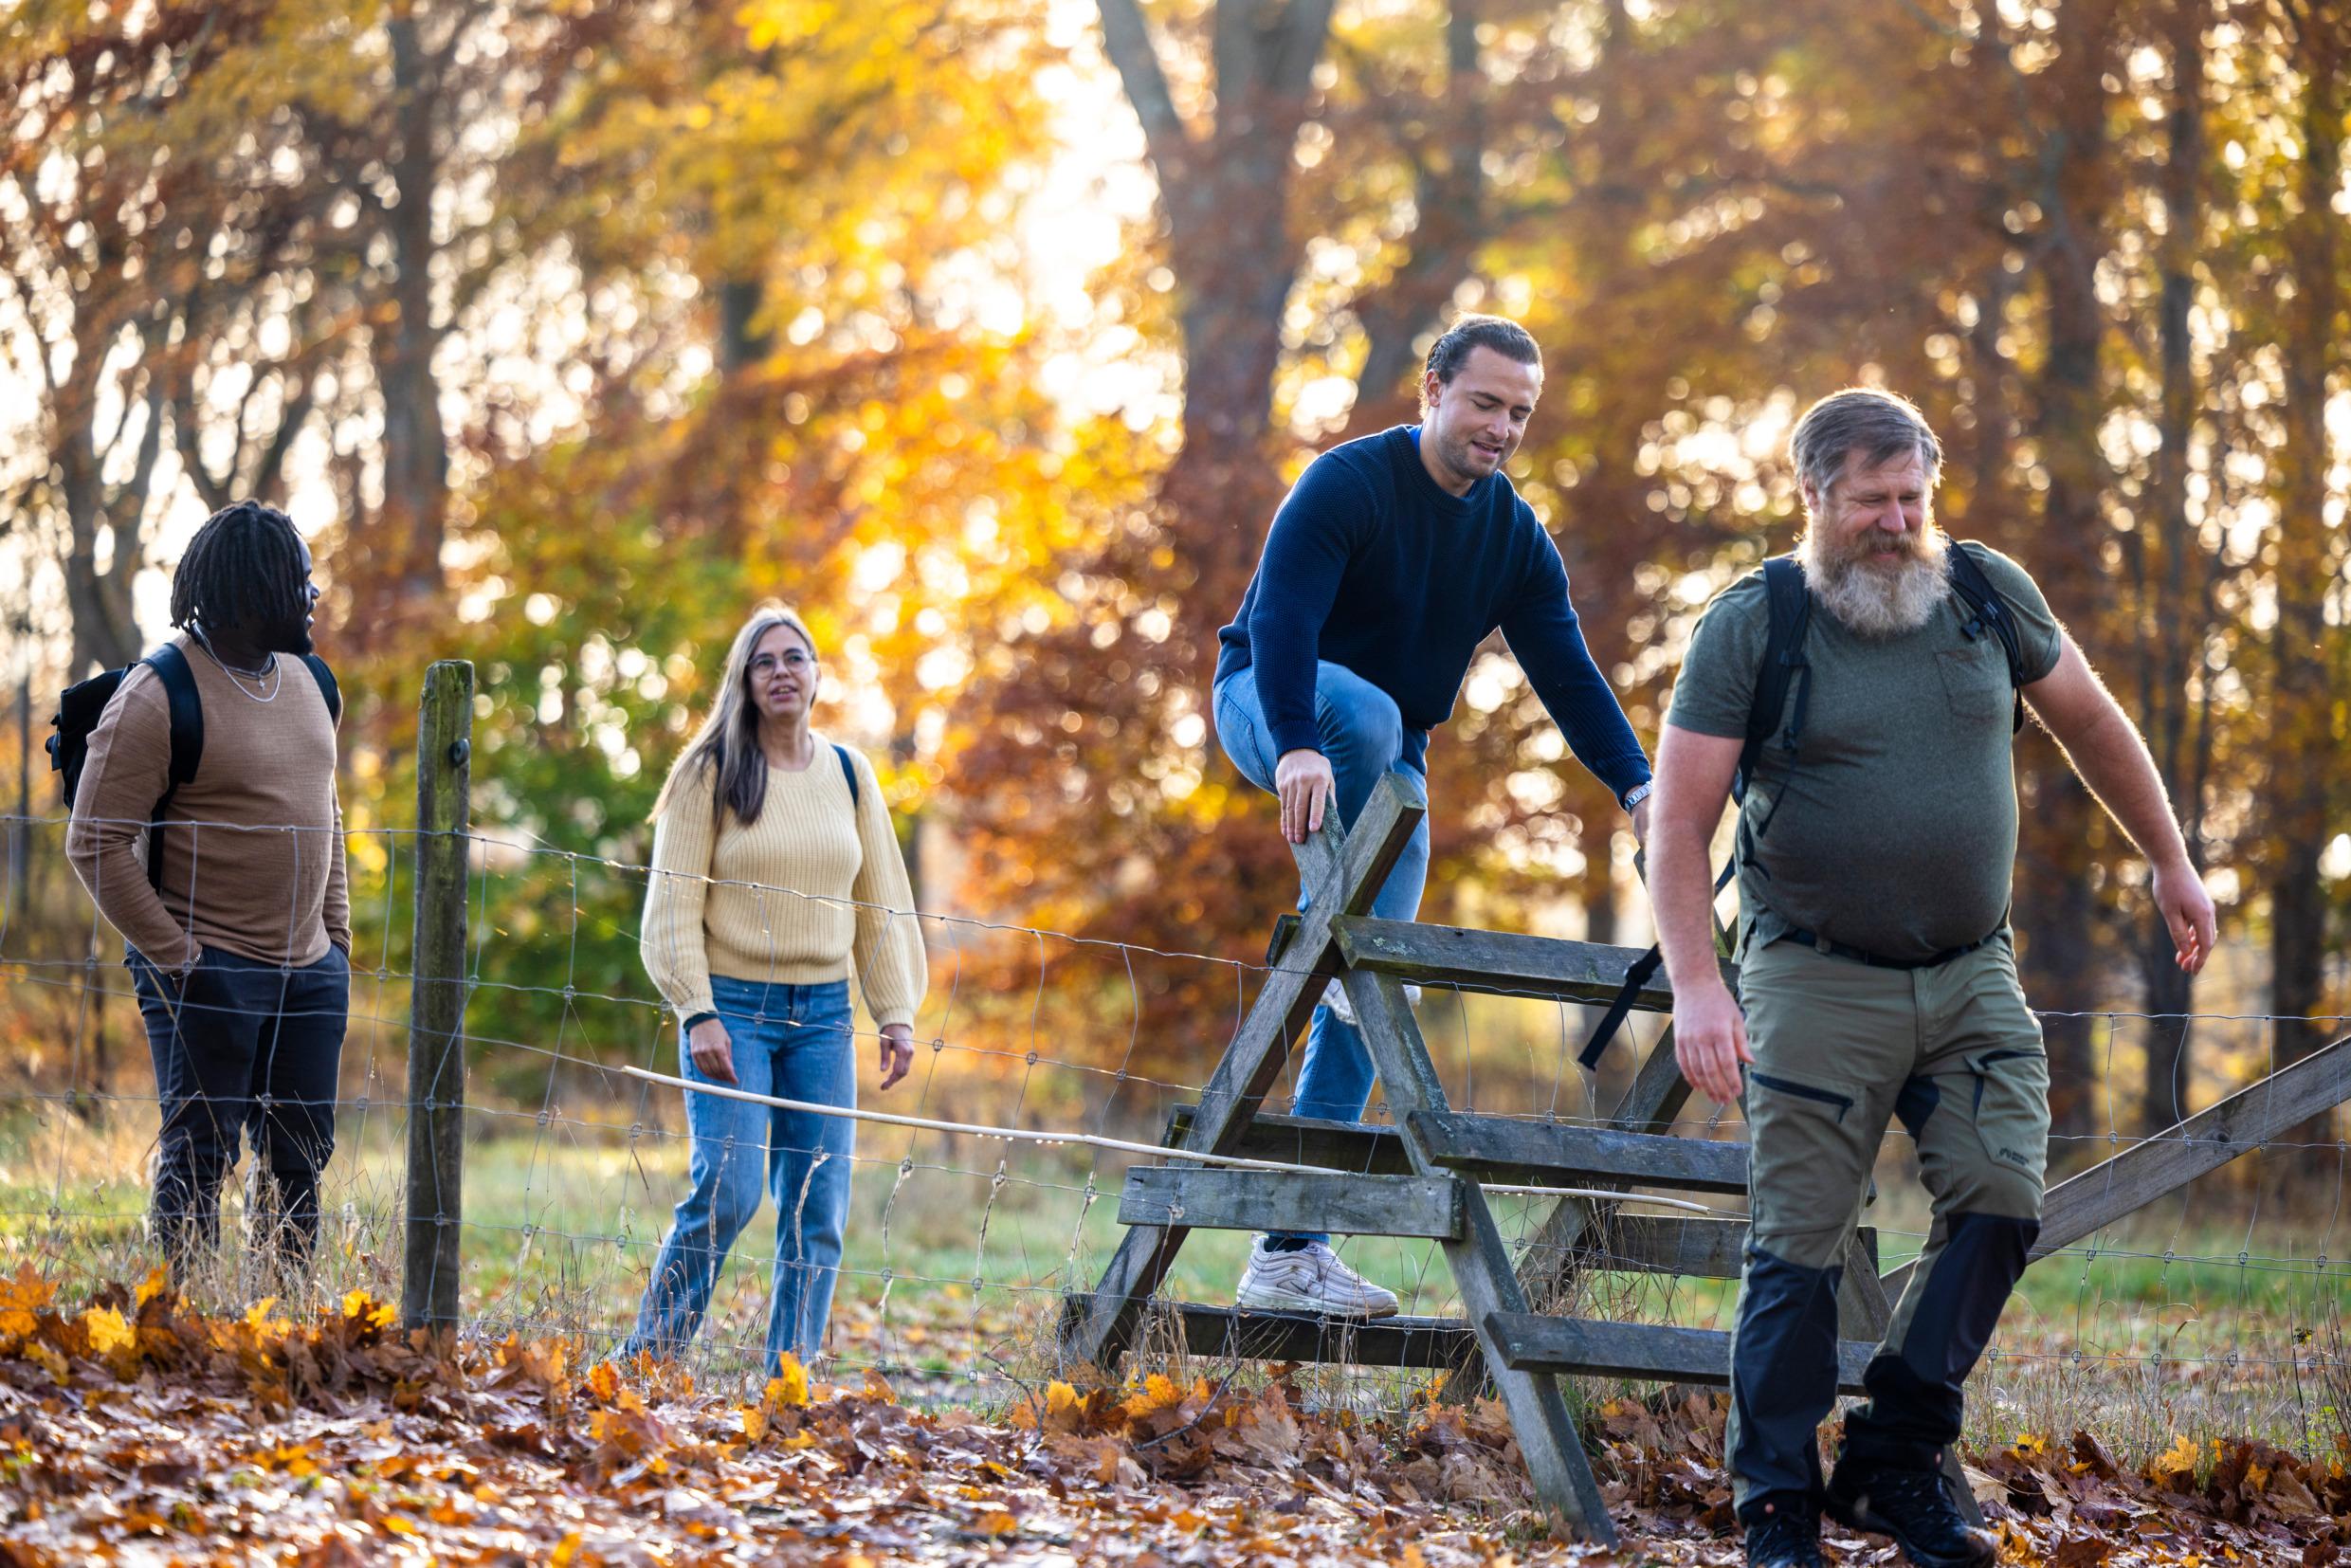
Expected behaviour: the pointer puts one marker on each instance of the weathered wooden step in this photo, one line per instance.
(1227, 1200)
(1498, 962)
(1235, 1333)
(1495, 1149)
(1529, 1342)
(1578, 1156)
(1682, 1245)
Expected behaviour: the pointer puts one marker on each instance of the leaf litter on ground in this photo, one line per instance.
(136, 1429)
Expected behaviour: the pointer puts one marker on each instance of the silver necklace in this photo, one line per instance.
(273, 669)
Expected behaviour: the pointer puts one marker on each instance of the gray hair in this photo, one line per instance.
(1880, 424)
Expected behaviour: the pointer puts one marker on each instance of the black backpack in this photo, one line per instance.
(1785, 668)
(80, 706)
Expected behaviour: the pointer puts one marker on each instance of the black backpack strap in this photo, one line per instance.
(1784, 665)
(848, 771)
(1637, 976)
(327, 688)
(187, 708)
(1988, 611)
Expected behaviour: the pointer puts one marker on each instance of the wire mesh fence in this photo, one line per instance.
(2218, 1308)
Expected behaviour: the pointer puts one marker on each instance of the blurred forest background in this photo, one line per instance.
(990, 331)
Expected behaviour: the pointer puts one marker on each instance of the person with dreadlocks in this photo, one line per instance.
(238, 925)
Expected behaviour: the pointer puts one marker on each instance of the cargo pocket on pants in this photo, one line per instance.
(2010, 1109)
(1805, 1171)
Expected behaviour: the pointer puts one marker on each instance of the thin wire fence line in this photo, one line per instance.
(1118, 1145)
(491, 843)
(942, 1046)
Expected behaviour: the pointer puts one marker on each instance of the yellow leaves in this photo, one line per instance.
(265, 1329)
(48, 1360)
(294, 1459)
(789, 1386)
(754, 1423)
(154, 1285)
(603, 1383)
(107, 1330)
(565, 1552)
(365, 1310)
(2175, 1470)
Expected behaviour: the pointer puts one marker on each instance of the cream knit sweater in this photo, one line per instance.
(792, 898)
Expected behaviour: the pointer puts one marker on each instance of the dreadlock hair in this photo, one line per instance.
(244, 568)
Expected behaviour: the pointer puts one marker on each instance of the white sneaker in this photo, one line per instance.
(1310, 1280)
(1334, 997)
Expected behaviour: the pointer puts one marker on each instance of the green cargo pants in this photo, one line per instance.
(1841, 1048)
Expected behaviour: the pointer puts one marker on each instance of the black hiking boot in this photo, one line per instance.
(1785, 1538)
(1914, 1508)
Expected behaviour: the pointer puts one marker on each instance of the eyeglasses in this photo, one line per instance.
(765, 663)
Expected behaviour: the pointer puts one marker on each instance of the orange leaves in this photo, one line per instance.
(22, 1296)
(369, 1444)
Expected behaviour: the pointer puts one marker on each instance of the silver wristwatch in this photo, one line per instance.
(1639, 793)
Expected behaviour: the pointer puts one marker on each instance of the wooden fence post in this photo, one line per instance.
(428, 1278)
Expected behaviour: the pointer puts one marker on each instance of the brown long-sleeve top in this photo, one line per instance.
(252, 844)
(792, 898)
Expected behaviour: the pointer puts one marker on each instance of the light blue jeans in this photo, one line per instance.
(1363, 737)
(794, 1042)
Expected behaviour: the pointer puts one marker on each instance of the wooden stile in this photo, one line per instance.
(1425, 1175)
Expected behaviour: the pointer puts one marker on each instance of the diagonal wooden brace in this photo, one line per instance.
(1342, 873)
(1479, 1258)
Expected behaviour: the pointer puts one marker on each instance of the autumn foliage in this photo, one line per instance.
(131, 1425)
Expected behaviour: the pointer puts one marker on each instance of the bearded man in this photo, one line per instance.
(1878, 976)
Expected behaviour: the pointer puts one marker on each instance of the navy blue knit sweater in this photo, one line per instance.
(1371, 565)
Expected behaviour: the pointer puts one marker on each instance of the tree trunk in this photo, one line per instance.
(2056, 908)
(740, 346)
(1226, 198)
(2303, 730)
(2172, 626)
(414, 516)
(105, 630)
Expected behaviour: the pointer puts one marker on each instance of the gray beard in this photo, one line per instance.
(1872, 601)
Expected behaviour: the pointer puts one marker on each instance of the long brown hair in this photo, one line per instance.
(727, 745)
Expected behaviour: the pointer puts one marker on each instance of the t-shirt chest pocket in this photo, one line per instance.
(1974, 680)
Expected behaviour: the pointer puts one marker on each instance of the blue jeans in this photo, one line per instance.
(1362, 737)
(794, 1042)
(243, 1050)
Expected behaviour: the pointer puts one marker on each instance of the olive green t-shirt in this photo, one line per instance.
(1895, 831)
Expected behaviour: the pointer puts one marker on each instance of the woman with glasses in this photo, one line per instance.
(773, 868)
